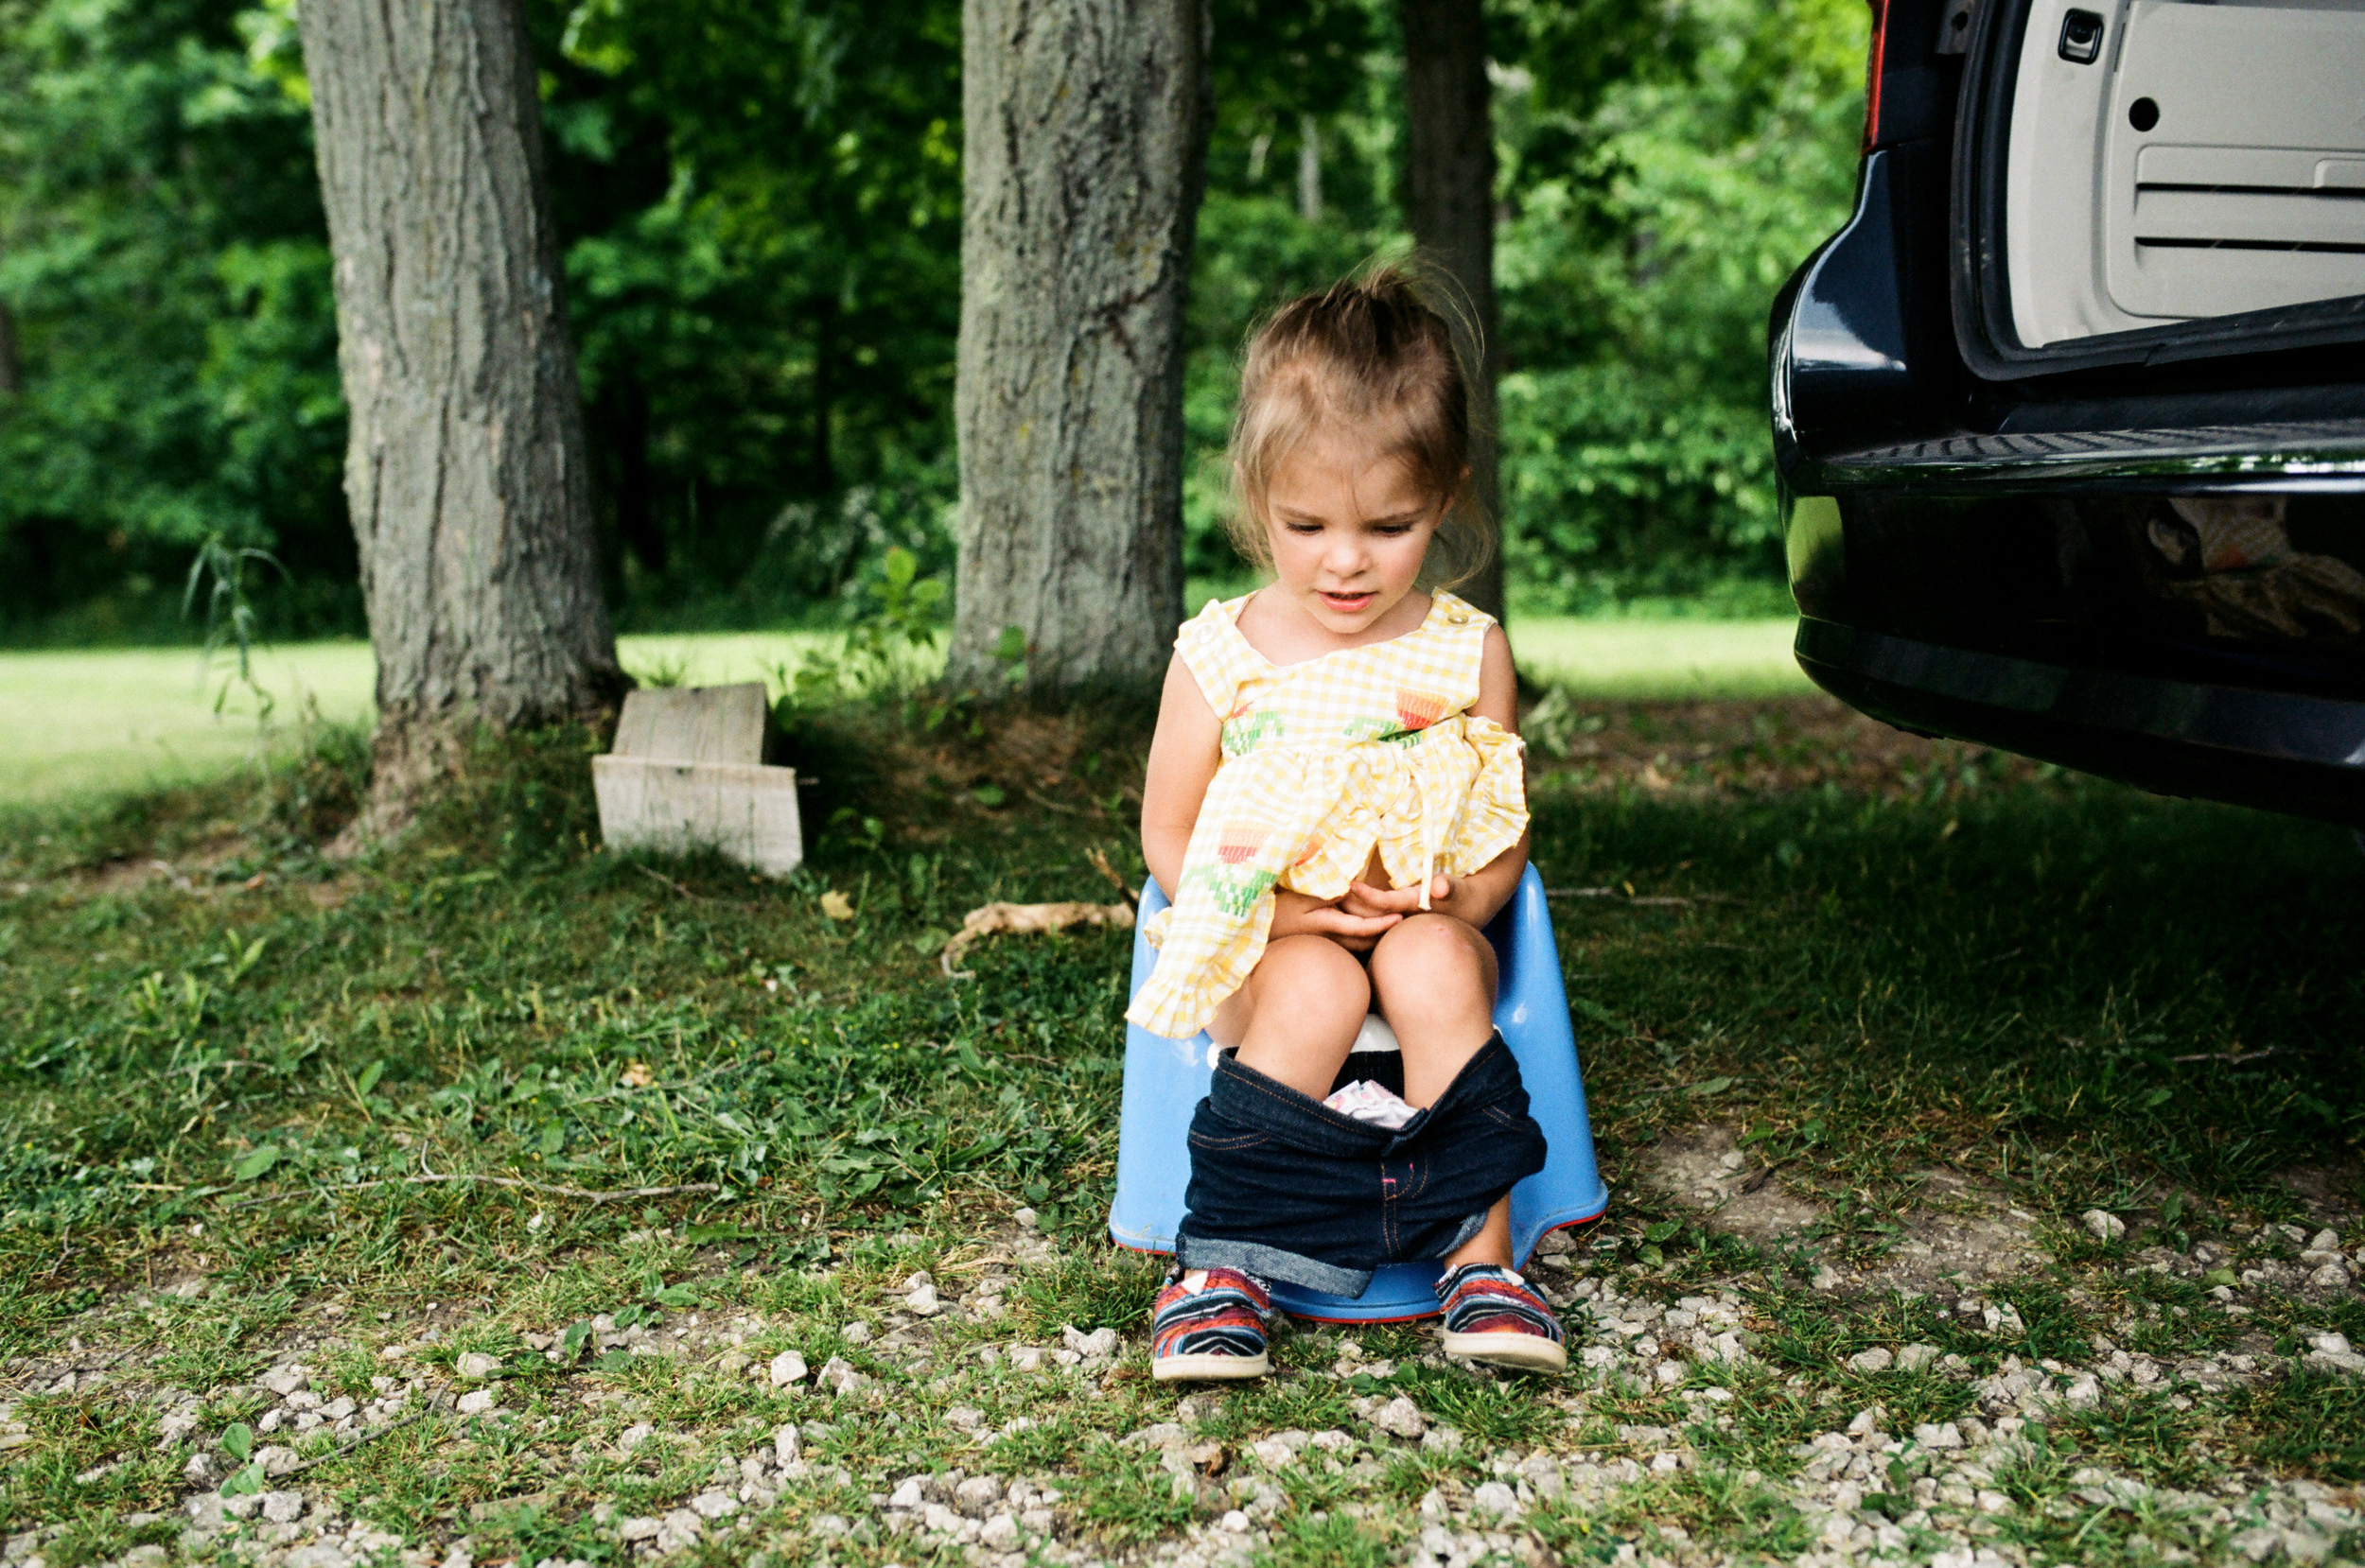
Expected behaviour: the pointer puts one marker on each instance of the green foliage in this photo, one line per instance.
(761, 213)
(161, 258)
(1657, 211)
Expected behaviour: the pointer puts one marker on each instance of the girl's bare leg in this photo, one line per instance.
(1304, 1001)
(1492, 1245)
(1435, 978)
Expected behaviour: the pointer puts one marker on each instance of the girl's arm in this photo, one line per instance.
(1185, 754)
(1477, 898)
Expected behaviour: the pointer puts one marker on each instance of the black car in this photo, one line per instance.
(2071, 416)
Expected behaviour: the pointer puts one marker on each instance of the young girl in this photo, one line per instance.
(1335, 798)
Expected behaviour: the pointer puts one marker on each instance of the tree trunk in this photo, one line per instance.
(1449, 198)
(465, 471)
(1084, 151)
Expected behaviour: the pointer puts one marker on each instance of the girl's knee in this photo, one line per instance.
(1435, 946)
(1316, 972)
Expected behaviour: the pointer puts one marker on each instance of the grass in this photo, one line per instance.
(226, 1083)
(91, 724)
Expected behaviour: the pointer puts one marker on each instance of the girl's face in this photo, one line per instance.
(1348, 529)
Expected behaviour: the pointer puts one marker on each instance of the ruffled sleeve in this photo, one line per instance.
(1495, 813)
(1205, 646)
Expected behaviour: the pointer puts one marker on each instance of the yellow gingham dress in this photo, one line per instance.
(1322, 762)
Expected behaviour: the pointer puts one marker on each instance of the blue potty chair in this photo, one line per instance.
(1165, 1081)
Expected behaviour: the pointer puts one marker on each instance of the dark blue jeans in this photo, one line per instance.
(1285, 1188)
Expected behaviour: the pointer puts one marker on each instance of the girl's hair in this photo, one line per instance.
(1372, 356)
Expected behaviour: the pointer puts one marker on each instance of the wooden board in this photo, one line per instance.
(744, 810)
(695, 723)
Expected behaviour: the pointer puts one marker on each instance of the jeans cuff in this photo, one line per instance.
(1271, 1263)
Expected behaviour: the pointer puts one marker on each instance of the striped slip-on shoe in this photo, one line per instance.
(1209, 1327)
(1492, 1316)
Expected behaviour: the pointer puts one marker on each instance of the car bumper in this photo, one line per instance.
(2298, 753)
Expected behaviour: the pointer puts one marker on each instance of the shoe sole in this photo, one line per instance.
(1209, 1368)
(1528, 1353)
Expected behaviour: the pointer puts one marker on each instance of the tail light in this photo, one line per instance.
(1874, 57)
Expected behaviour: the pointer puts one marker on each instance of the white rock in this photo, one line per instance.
(923, 1301)
(1877, 1359)
(678, 1529)
(1400, 1417)
(839, 1377)
(1912, 1358)
(2330, 1276)
(638, 1529)
(2105, 1226)
(283, 1507)
(1938, 1435)
(998, 1534)
(1495, 1498)
(919, 1280)
(478, 1402)
(1274, 1454)
(2331, 1343)
(1235, 1523)
(856, 1333)
(908, 1496)
(1100, 1342)
(284, 1380)
(965, 1418)
(714, 1505)
(320, 1554)
(977, 1495)
(1026, 1219)
(788, 1368)
(787, 1444)
(632, 1438)
(276, 1460)
(476, 1365)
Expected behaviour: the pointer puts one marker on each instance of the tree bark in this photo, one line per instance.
(1084, 152)
(1449, 200)
(466, 470)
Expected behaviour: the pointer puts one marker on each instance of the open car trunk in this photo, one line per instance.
(2155, 180)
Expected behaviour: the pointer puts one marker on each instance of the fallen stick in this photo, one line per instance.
(364, 1437)
(1099, 859)
(587, 1193)
(1026, 918)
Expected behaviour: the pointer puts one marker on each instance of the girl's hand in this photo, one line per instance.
(1362, 899)
(1297, 914)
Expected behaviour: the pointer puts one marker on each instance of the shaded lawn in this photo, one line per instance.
(2090, 995)
(2084, 995)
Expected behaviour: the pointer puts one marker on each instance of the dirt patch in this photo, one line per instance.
(1704, 1169)
(1960, 1234)
(1789, 743)
(2331, 1193)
